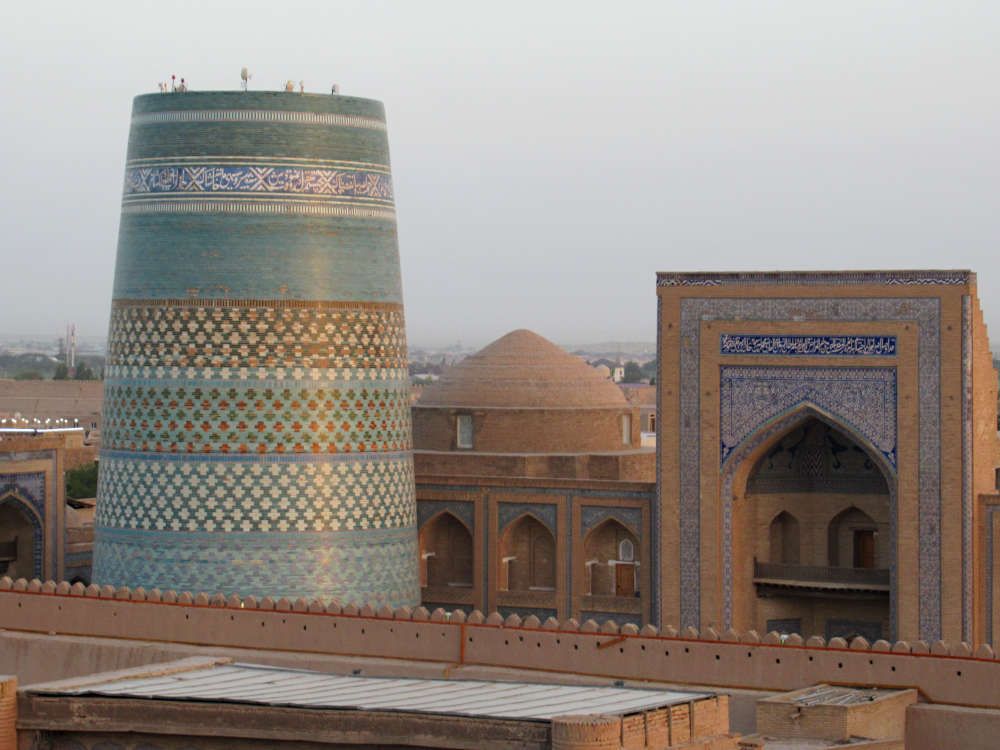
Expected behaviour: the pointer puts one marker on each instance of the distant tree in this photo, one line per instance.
(649, 369)
(81, 482)
(28, 375)
(61, 373)
(83, 372)
(633, 374)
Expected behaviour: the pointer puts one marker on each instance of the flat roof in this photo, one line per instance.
(220, 680)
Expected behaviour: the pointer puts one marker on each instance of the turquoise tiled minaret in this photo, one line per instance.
(256, 433)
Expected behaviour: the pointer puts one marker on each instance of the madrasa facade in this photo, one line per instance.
(826, 463)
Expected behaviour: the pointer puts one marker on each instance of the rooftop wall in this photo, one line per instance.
(943, 673)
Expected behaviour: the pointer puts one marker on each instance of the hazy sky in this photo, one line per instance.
(548, 158)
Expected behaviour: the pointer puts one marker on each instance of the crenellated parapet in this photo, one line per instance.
(945, 672)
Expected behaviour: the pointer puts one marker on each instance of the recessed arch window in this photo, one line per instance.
(464, 437)
(626, 550)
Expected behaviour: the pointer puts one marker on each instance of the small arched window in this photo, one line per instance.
(626, 550)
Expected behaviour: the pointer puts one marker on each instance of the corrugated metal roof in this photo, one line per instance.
(250, 683)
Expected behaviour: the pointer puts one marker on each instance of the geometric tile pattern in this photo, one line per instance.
(185, 333)
(924, 312)
(194, 416)
(332, 494)
(861, 398)
(374, 566)
(808, 346)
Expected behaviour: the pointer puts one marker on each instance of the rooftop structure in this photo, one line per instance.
(289, 706)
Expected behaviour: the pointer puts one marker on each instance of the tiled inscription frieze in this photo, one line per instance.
(169, 179)
(186, 333)
(201, 494)
(808, 346)
(237, 417)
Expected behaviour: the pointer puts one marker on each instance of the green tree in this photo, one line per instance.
(633, 374)
(83, 372)
(61, 373)
(28, 375)
(81, 482)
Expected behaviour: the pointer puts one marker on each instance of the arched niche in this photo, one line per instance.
(783, 539)
(20, 539)
(446, 552)
(810, 465)
(854, 541)
(611, 557)
(527, 556)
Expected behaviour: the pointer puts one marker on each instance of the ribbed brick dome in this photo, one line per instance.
(523, 370)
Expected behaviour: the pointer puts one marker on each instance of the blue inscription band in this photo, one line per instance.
(208, 178)
(835, 346)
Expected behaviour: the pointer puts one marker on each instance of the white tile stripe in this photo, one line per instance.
(263, 207)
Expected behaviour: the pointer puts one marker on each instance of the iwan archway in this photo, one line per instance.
(810, 541)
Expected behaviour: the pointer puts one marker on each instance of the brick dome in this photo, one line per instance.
(523, 370)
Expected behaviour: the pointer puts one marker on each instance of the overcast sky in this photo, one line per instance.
(548, 158)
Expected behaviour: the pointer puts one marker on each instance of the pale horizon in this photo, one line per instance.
(548, 160)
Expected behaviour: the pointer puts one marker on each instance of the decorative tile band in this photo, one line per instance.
(193, 333)
(992, 567)
(925, 311)
(246, 418)
(341, 493)
(816, 278)
(258, 115)
(259, 206)
(376, 566)
(864, 399)
(810, 346)
(307, 377)
(228, 178)
(967, 479)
